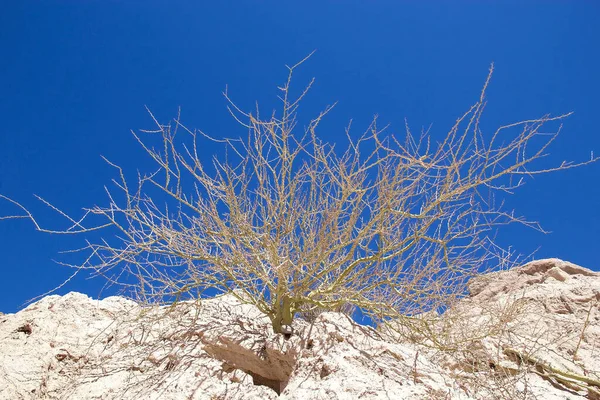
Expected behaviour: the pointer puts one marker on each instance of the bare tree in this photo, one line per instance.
(287, 222)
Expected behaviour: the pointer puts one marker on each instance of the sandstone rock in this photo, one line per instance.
(545, 315)
(545, 320)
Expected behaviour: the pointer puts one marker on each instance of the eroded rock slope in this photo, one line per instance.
(531, 332)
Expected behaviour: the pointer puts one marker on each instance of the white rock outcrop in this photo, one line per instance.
(540, 326)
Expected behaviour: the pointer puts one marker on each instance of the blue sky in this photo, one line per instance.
(75, 77)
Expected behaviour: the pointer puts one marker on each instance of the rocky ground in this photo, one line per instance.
(531, 332)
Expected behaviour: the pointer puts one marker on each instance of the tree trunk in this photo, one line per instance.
(283, 315)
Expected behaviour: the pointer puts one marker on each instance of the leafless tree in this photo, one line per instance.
(282, 220)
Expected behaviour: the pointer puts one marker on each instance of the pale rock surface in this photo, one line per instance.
(73, 347)
(545, 323)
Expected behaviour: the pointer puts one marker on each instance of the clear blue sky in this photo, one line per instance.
(75, 76)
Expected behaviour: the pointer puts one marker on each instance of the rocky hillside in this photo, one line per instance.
(531, 332)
